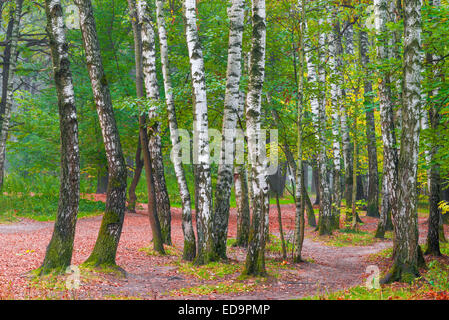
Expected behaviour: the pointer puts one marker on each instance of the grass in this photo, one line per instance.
(435, 286)
(41, 207)
(227, 287)
(169, 251)
(210, 271)
(347, 237)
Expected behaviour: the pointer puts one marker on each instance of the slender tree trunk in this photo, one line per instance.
(336, 96)
(59, 251)
(407, 254)
(300, 188)
(189, 251)
(201, 137)
(231, 106)
(373, 176)
(152, 201)
(316, 182)
(136, 177)
(281, 230)
(142, 55)
(6, 63)
(154, 138)
(325, 223)
(389, 179)
(242, 203)
(346, 140)
(6, 116)
(255, 258)
(436, 228)
(105, 249)
(139, 93)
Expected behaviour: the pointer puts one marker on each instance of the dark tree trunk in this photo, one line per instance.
(242, 203)
(9, 82)
(136, 177)
(373, 176)
(316, 183)
(102, 181)
(152, 206)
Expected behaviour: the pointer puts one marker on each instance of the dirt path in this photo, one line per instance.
(327, 268)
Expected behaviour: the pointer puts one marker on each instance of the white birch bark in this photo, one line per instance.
(154, 141)
(201, 136)
(189, 250)
(231, 107)
(255, 259)
(59, 251)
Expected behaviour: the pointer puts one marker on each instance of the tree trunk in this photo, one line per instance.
(139, 93)
(154, 138)
(136, 177)
(152, 205)
(318, 105)
(373, 176)
(336, 96)
(189, 251)
(389, 179)
(406, 251)
(242, 203)
(59, 251)
(316, 182)
(6, 116)
(105, 249)
(6, 63)
(346, 140)
(201, 137)
(231, 107)
(255, 258)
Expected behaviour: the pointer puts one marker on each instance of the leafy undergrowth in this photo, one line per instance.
(432, 285)
(41, 207)
(347, 237)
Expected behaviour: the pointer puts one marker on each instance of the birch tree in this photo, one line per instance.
(59, 251)
(382, 11)
(105, 249)
(407, 255)
(189, 250)
(336, 93)
(154, 138)
(373, 181)
(6, 116)
(201, 137)
(255, 258)
(231, 107)
(142, 56)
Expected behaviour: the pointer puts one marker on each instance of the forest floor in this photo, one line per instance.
(331, 264)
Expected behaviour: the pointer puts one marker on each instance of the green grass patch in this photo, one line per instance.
(169, 251)
(210, 271)
(217, 288)
(41, 207)
(347, 237)
(275, 245)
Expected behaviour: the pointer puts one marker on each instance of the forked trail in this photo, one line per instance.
(327, 268)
